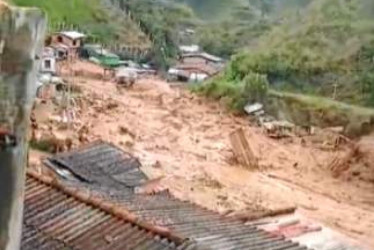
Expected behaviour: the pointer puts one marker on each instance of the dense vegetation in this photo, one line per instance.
(324, 49)
(213, 10)
(108, 22)
(243, 23)
(319, 47)
(89, 16)
(163, 21)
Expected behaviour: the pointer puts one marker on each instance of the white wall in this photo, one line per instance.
(48, 65)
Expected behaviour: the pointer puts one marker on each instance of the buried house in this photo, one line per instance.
(195, 67)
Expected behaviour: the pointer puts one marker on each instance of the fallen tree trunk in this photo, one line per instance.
(21, 35)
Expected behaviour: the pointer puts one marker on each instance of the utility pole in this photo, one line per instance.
(21, 36)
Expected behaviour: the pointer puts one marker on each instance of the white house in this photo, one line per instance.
(48, 61)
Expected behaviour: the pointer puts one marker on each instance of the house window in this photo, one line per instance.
(61, 54)
(47, 64)
(59, 39)
(74, 42)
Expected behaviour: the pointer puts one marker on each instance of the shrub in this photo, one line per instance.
(255, 87)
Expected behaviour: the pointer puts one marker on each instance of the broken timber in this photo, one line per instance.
(242, 150)
(21, 35)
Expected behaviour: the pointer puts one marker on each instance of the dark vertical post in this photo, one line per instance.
(21, 36)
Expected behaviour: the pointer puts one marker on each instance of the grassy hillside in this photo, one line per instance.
(71, 11)
(321, 112)
(222, 10)
(325, 49)
(231, 25)
(214, 10)
(163, 21)
(89, 16)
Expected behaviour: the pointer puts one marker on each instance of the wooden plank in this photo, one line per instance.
(242, 149)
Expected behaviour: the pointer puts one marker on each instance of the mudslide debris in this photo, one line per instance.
(242, 150)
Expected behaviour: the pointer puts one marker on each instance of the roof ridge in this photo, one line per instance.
(85, 196)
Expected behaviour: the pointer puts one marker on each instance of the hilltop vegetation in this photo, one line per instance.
(89, 16)
(223, 10)
(213, 10)
(108, 22)
(162, 21)
(245, 21)
(325, 49)
(319, 47)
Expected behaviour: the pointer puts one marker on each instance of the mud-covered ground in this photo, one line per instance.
(185, 138)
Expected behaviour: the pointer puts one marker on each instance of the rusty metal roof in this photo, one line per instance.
(55, 219)
(208, 229)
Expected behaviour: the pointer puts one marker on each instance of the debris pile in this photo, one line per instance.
(271, 127)
(327, 138)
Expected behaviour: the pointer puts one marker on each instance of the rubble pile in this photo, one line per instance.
(323, 138)
(63, 129)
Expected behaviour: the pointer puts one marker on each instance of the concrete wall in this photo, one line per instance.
(48, 65)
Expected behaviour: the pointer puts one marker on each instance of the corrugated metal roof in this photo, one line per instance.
(207, 228)
(54, 219)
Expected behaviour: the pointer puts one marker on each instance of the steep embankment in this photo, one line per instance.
(163, 21)
(90, 16)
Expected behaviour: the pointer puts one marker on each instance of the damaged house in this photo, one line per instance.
(68, 40)
(196, 67)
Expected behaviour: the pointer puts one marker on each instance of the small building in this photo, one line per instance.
(72, 39)
(48, 62)
(196, 67)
